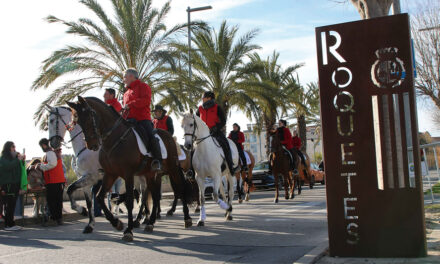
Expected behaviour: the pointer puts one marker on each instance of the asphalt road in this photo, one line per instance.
(261, 232)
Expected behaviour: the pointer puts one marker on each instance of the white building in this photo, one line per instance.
(314, 143)
(255, 143)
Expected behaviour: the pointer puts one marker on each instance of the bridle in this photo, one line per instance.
(67, 126)
(193, 135)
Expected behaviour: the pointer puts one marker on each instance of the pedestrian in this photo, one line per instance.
(11, 172)
(54, 179)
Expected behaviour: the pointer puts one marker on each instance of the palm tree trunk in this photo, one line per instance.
(268, 122)
(302, 131)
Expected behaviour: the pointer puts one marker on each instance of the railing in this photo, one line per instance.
(431, 167)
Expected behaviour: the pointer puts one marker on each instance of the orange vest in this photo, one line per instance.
(55, 175)
(209, 116)
(161, 123)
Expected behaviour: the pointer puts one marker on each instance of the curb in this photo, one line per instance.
(34, 221)
(313, 255)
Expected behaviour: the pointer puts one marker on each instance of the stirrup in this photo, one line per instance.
(156, 165)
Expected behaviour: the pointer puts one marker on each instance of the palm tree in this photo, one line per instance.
(136, 38)
(275, 91)
(305, 106)
(217, 63)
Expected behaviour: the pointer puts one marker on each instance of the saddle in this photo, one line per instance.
(291, 158)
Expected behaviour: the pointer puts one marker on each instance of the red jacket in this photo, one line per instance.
(240, 139)
(296, 142)
(138, 99)
(161, 123)
(116, 105)
(55, 175)
(287, 138)
(209, 116)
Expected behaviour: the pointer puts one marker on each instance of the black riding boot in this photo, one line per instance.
(293, 160)
(156, 164)
(244, 166)
(226, 150)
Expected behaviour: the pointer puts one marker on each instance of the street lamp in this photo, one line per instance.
(189, 10)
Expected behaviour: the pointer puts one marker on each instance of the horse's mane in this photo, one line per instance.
(33, 162)
(100, 102)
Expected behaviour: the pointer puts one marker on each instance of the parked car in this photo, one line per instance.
(317, 173)
(261, 177)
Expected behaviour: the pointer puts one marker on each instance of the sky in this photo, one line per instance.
(287, 26)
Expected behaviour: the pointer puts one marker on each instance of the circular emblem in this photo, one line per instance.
(388, 70)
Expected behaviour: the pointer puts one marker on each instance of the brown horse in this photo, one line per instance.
(281, 167)
(305, 174)
(105, 130)
(247, 180)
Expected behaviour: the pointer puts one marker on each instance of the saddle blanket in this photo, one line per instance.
(182, 155)
(248, 159)
(143, 149)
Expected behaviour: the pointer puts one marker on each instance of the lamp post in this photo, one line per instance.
(189, 10)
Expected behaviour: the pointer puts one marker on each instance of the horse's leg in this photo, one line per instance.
(275, 174)
(82, 182)
(286, 184)
(230, 196)
(291, 185)
(153, 187)
(129, 186)
(160, 198)
(107, 183)
(201, 183)
(218, 184)
(248, 177)
(137, 222)
(88, 196)
(173, 207)
(298, 182)
(239, 191)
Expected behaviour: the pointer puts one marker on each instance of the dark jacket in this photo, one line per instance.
(10, 171)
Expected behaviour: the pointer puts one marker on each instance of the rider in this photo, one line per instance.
(163, 121)
(297, 146)
(109, 98)
(137, 100)
(238, 137)
(286, 138)
(214, 117)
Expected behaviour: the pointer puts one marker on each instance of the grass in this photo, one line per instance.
(435, 189)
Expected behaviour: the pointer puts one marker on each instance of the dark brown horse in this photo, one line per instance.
(105, 130)
(247, 180)
(281, 167)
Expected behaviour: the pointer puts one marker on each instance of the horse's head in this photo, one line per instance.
(35, 177)
(57, 121)
(86, 117)
(189, 126)
(274, 141)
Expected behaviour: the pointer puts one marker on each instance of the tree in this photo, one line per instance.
(136, 38)
(217, 63)
(272, 92)
(372, 8)
(425, 29)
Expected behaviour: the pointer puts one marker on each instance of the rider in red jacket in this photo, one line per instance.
(286, 138)
(137, 100)
(238, 137)
(297, 146)
(162, 120)
(212, 114)
(109, 98)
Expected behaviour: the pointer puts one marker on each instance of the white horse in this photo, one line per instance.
(207, 161)
(85, 163)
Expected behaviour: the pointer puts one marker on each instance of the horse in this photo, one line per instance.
(36, 186)
(305, 174)
(85, 163)
(120, 156)
(246, 177)
(208, 161)
(281, 166)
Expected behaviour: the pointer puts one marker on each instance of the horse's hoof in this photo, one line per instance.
(119, 226)
(299, 192)
(311, 186)
(200, 223)
(87, 230)
(158, 216)
(247, 198)
(197, 210)
(84, 212)
(229, 217)
(136, 224)
(286, 197)
(149, 228)
(291, 196)
(188, 223)
(128, 237)
(170, 213)
(276, 200)
(240, 200)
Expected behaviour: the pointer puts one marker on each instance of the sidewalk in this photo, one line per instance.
(320, 255)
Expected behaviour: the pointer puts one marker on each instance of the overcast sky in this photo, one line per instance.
(286, 25)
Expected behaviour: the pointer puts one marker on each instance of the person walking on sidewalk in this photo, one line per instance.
(11, 166)
(52, 168)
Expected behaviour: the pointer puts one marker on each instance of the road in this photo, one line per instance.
(261, 232)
